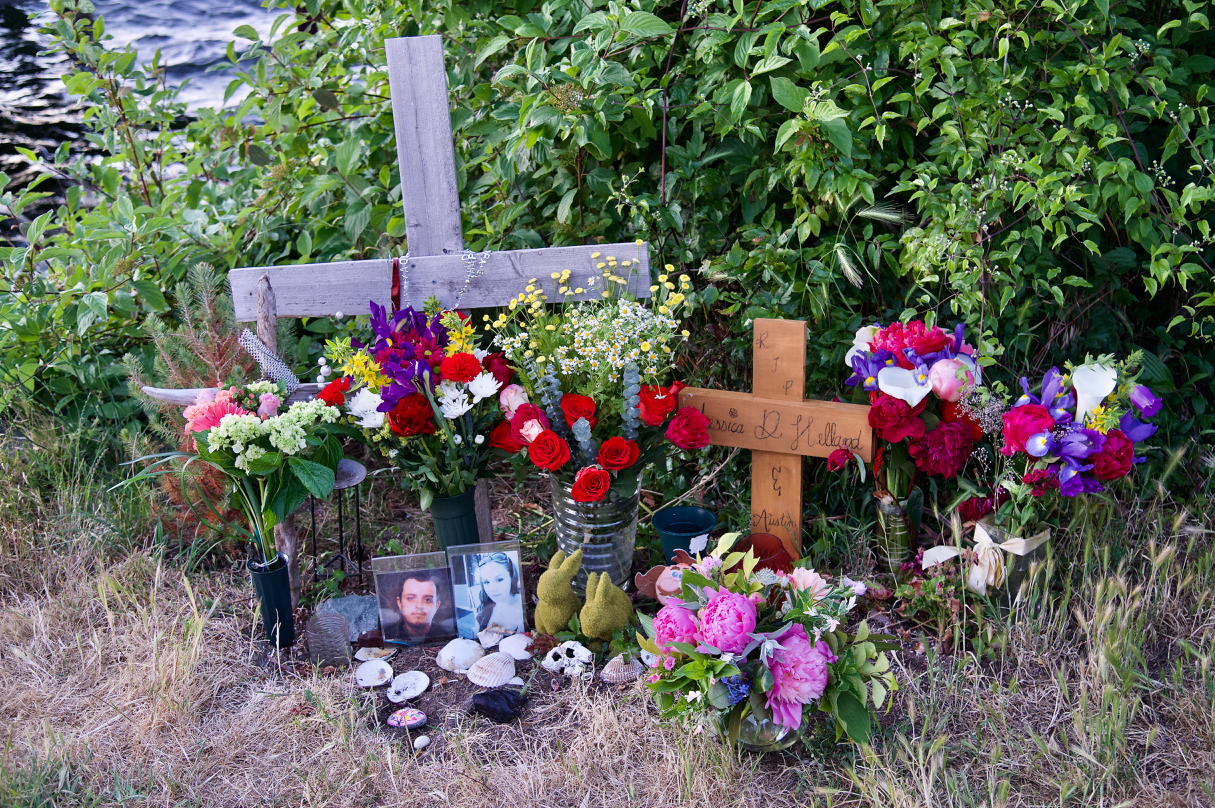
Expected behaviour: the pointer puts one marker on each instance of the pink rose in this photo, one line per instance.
(799, 676)
(268, 406)
(801, 579)
(943, 376)
(511, 398)
(527, 423)
(726, 621)
(674, 623)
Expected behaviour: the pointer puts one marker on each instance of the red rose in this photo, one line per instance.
(548, 450)
(412, 416)
(1022, 423)
(657, 402)
(952, 412)
(501, 438)
(894, 419)
(332, 393)
(688, 429)
(618, 453)
(974, 509)
(591, 484)
(495, 363)
(1115, 458)
(461, 368)
(574, 406)
(528, 422)
(942, 451)
(838, 459)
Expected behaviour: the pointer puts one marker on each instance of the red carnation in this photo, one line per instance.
(974, 509)
(333, 393)
(1116, 457)
(942, 451)
(838, 459)
(1042, 480)
(894, 419)
(501, 438)
(657, 402)
(549, 451)
(618, 453)
(591, 484)
(412, 416)
(495, 363)
(1022, 423)
(689, 429)
(574, 406)
(461, 368)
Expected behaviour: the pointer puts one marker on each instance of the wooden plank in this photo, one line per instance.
(812, 428)
(318, 290)
(779, 372)
(426, 156)
(267, 315)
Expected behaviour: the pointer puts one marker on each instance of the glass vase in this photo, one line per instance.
(605, 531)
(758, 733)
(895, 541)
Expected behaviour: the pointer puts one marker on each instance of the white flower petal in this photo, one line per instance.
(905, 385)
(1092, 383)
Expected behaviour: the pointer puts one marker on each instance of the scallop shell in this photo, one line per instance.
(373, 674)
(493, 670)
(459, 654)
(516, 645)
(408, 685)
(618, 671)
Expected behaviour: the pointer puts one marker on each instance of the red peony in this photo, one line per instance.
(412, 416)
(838, 459)
(1115, 458)
(943, 451)
(952, 412)
(495, 363)
(549, 451)
(657, 402)
(501, 438)
(915, 335)
(1022, 423)
(618, 453)
(528, 422)
(461, 368)
(689, 429)
(974, 509)
(591, 484)
(574, 406)
(333, 393)
(894, 420)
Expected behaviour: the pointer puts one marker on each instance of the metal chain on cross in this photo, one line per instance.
(470, 259)
(271, 366)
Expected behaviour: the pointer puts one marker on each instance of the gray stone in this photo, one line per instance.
(362, 613)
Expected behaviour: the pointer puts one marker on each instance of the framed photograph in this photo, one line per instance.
(415, 598)
(487, 583)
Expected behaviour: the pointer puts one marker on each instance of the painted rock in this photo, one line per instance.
(408, 718)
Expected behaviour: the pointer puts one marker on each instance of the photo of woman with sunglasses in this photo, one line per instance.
(488, 588)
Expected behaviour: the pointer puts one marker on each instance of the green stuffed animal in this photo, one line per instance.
(558, 603)
(607, 608)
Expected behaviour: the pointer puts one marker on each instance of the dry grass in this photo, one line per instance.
(123, 682)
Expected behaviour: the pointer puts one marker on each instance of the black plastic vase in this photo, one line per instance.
(273, 588)
(455, 520)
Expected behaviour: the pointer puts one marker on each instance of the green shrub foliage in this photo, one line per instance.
(1040, 170)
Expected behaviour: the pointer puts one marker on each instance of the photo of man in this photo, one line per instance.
(415, 603)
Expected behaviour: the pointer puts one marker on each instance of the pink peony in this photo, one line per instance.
(944, 450)
(801, 579)
(799, 676)
(674, 623)
(268, 406)
(726, 621)
(1021, 424)
(943, 376)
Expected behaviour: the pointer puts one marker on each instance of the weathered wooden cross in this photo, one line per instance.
(436, 265)
(779, 427)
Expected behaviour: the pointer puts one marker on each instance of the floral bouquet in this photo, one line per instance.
(743, 649)
(423, 395)
(597, 370)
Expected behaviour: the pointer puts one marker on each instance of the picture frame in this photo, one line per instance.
(487, 587)
(415, 599)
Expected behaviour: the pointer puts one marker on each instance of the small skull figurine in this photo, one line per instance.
(570, 659)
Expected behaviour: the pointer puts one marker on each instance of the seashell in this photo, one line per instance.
(409, 718)
(369, 654)
(650, 659)
(516, 645)
(373, 674)
(421, 742)
(408, 685)
(517, 682)
(493, 670)
(490, 637)
(459, 654)
(618, 670)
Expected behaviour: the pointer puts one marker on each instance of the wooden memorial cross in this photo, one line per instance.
(436, 265)
(779, 427)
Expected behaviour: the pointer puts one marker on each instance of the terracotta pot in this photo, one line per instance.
(768, 548)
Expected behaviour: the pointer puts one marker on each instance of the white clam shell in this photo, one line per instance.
(459, 654)
(408, 685)
(493, 670)
(490, 637)
(618, 670)
(421, 742)
(368, 654)
(516, 645)
(517, 682)
(373, 674)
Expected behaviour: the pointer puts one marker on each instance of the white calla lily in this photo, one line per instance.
(860, 343)
(910, 386)
(1092, 383)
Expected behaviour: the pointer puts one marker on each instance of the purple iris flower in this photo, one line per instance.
(958, 330)
(865, 369)
(1134, 429)
(1039, 445)
(1072, 480)
(1148, 402)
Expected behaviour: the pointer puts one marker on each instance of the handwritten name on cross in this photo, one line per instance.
(779, 427)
